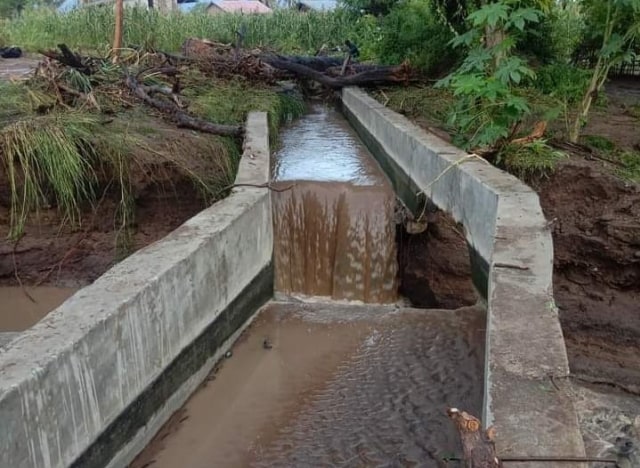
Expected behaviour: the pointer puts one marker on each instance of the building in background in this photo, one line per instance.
(225, 6)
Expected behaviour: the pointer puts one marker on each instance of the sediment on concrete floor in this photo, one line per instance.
(512, 259)
(112, 362)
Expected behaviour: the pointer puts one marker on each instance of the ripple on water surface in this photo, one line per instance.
(323, 147)
(341, 386)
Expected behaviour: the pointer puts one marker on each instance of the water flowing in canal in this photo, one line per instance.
(334, 228)
(325, 382)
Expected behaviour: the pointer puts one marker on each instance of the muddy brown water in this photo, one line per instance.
(319, 383)
(22, 308)
(333, 220)
(341, 385)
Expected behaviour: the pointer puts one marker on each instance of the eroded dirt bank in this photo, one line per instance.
(596, 235)
(434, 265)
(163, 194)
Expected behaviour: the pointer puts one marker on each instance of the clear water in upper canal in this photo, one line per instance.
(325, 383)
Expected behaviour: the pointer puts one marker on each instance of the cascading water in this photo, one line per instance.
(333, 215)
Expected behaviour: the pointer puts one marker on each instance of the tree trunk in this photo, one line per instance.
(478, 446)
(117, 34)
(598, 78)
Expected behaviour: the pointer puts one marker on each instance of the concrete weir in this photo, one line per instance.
(512, 255)
(92, 382)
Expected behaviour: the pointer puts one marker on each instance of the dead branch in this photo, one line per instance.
(68, 58)
(181, 118)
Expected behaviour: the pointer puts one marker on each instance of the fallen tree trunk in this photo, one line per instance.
(321, 64)
(374, 76)
(181, 118)
(223, 61)
(478, 446)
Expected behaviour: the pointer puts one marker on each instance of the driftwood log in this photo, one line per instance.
(478, 446)
(174, 113)
(224, 60)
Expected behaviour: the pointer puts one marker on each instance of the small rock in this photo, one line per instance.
(266, 344)
(228, 354)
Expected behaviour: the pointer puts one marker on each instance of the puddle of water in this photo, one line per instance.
(341, 386)
(334, 216)
(18, 311)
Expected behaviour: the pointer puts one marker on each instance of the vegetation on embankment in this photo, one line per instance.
(70, 141)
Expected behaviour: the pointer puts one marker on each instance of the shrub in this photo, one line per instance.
(562, 80)
(412, 31)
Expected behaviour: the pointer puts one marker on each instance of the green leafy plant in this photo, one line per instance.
(411, 31)
(488, 108)
(564, 81)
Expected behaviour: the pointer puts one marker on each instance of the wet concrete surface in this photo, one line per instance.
(333, 214)
(334, 385)
(609, 421)
(21, 308)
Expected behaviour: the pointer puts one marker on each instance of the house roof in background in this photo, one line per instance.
(242, 6)
(230, 6)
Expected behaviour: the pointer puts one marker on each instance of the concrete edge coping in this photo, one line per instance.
(59, 363)
(504, 222)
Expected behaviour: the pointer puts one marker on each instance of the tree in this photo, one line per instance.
(617, 24)
(488, 109)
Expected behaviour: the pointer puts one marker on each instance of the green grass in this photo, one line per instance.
(530, 161)
(631, 168)
(229, 102)
(64, 157)
(419, 103)
(599, 143)
(92, 29)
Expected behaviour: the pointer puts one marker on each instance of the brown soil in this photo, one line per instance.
(597, 248)
(165, 196)
(597, 268)
(434, 265)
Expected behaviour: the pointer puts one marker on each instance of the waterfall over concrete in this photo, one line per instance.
(333, 214)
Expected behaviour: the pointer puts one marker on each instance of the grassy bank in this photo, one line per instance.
(72, 155)
(92, 29)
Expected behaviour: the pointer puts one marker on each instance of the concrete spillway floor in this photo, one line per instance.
(333, 385)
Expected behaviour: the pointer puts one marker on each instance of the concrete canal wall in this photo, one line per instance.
(512, 256)
(99, 375)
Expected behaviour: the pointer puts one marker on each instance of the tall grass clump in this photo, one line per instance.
(230, 102)
(45, 165)
(91, 28)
